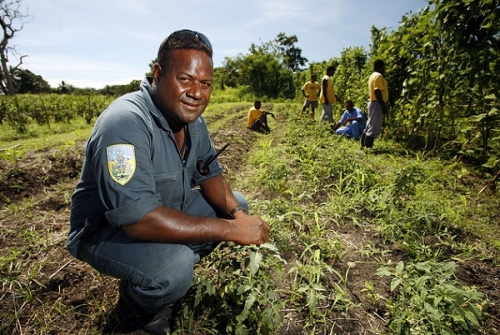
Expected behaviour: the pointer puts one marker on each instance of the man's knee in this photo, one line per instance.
(167, 285)
(356, 129)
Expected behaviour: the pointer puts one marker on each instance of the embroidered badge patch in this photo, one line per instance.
(121, 162)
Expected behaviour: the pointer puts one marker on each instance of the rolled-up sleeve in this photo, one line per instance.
(133, 212)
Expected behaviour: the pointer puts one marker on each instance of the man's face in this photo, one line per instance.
(182, 91)
(314, 78)
(349, 106)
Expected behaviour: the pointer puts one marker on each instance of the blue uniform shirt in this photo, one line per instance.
(356, 113)
(132, 164)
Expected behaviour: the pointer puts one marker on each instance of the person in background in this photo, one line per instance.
(257, 118)
(352, 122)
(327, 96)
(310, 91)
(377, 106)
(143, 210)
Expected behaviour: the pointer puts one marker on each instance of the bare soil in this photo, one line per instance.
(46, 291)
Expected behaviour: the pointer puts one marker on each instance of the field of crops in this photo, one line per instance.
(374, 241)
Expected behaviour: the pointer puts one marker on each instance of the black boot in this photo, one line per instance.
(160, 323)
(362, 140)
(369, 141)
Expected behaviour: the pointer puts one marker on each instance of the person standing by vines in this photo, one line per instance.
(378, 92)
(327, 96)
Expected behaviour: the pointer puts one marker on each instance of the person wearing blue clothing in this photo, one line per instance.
(152, 198)
(352, 122)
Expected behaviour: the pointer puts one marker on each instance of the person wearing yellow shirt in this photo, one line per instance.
(327, 96)
(257, 118)
(377, 106)
(310, 91)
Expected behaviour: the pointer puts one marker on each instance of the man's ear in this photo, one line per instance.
(156, 73)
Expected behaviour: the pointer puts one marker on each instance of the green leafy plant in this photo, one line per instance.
(430, 300)
(238, 298)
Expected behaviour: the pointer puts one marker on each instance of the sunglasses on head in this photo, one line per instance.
(193, 33)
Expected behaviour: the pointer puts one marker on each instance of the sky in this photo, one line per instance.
(94, 43)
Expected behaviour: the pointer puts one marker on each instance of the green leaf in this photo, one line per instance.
(492, 162)
(269, 246)
(311, 300)
(471, 317)
(383, 271)
(475, 308)
(255, 260)
(400, 267)
(493, 111)
(486, 26)
(241, 329)
(318, 287)
(421, 281)
(449, 267)
(248, 305)
(477, 118)
(431, 310)
(395, 283)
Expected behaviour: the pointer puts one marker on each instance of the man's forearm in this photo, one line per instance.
(169, 225)
(218, 193)
(165, 224)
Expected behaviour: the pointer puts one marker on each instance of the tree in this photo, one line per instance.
(228, 73)
(65, 88)
(290, 54)
(268, 69)
(264, 74)
(118, 90)
(11, 20)
(26, 81)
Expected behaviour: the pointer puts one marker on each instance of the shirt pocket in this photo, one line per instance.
(169, 188)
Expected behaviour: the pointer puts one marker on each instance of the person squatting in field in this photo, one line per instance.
(257, 118)
(310, 91)
(141, 211)
(352, 122)
(377, 106)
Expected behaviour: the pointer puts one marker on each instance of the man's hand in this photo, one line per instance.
(249, 229)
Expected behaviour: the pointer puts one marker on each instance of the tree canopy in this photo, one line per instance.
(267, 70)
(26, 81)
